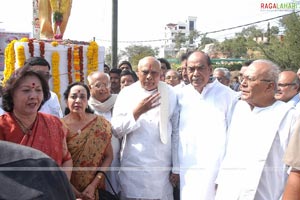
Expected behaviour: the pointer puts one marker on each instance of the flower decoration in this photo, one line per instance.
(42, 48)
(76, 63)
(24, 40)
(31, 47)
(92, 57)
(69, 55)
(55, 73)
(10, 59)
(54, 43)
(20, 56)
(81, 63)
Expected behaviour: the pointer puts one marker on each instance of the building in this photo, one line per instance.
(172, 31)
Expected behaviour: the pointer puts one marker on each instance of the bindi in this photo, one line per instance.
(33, 85)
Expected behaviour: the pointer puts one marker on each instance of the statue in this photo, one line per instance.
(53, 17)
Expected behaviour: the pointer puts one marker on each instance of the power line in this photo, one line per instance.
(206, 33)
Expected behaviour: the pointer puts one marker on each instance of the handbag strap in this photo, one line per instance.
(117, 197)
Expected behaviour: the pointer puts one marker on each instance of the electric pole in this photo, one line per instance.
(114, 45)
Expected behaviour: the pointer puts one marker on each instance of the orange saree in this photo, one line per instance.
(87, 148)
(47, 135)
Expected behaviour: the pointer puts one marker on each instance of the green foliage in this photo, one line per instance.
(136, 52)
(285, 50)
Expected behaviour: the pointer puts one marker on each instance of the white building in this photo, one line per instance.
(171, 30)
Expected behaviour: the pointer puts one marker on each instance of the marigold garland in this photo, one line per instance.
(76, 63)
(81, 63)
(54, 43)
(31, 47)
(24, 40)
(92, 57)
(70, 65)
(20, 56)
(42, 49)
(55, 73)
(10, 59)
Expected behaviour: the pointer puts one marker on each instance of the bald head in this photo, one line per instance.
(92, 77)
(149, 61)
(149, 70)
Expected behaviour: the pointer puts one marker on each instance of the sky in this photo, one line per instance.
(143, 20)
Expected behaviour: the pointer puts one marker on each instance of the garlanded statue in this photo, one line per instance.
(53, 18)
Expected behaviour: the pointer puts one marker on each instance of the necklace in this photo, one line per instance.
(25, 129)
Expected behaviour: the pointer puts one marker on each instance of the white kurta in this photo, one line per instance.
(202, 130)
(52, 106)
(253, 166)
(146, 162)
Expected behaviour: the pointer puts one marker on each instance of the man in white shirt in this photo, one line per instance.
(145, 115)
(102, 102)
(259, 132)
(52, 105)
(288, 88)
(205, 112)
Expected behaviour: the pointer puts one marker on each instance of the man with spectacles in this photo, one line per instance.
(172, 77)
(258, 135)
(42, 66)
(288, 88)
(205, 112)
(102, 102)
(223, 75)
(146, 117)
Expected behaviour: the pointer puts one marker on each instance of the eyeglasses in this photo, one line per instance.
(152, 73)
(200, 68)
(285, 84)
(99, 85)
(251, 79)
(171, 77)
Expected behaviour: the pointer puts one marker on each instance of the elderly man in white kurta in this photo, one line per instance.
(258, 135)
(145, 116)
(205, 112)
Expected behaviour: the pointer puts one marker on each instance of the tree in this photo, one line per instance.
(180, 40)
(285, 49)
(206, 40)
(136, 52)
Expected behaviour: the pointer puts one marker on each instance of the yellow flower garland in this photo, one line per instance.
(76, 63)
(92, 57)
(20, 55)
(10, 59)
(55, 73)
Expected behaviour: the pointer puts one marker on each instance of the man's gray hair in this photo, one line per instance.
(271, 74)
(224, 70)
(89, 77)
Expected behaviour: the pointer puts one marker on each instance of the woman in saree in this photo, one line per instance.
(88, 140)
(23, 95)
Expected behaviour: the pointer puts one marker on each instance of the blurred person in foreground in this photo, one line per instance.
(146, 117)
(259, 132)
(89, 142)
(32, 182)
(292, 159)
(23, 95)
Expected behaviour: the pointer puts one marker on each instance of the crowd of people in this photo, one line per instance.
(157, 133)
